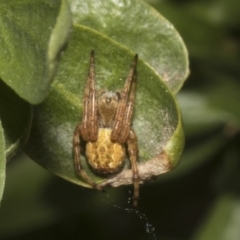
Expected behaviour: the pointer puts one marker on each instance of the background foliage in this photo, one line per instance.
(199, 199)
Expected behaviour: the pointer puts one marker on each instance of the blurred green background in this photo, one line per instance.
(198, 200)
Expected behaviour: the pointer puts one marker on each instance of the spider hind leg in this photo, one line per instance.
(77, 159)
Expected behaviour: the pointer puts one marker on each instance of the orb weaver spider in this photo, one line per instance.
(105, 128)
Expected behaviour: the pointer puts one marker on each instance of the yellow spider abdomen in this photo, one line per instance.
(105, 156)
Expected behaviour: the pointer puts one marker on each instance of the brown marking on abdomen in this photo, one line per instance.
(105, 156)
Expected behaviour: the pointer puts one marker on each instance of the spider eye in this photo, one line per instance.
(109, 97)
(118, 95)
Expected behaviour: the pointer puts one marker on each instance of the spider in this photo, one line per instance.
(106, 129)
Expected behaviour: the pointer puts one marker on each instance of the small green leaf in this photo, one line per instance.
(16, 117)
(2, 162)
(140, 28)
(32, 34)
(157, 120)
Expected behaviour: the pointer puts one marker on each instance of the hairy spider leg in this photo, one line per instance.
(89, 126)
(121, 130)
(128, 135)
(128, 112)
(133, 154)
(77, 158)
(118, 122)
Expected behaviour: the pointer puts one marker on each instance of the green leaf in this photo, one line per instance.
(157, 119)
(223, 220)
(198, 115)
(225, 86)
(195, 157)
(2, 162)
(138, 27)
(24, 207)
(206, 109)
(32, 34)
(204, 42)
(16, 117)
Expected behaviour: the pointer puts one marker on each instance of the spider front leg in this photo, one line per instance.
(132, 145)
(121, 125)
(121, 130)
(77, 158)
(88, 128)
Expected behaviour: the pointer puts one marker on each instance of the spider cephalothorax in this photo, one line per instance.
(107, 107)
(106, 129)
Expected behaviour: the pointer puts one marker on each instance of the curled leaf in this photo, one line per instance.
(157, 120)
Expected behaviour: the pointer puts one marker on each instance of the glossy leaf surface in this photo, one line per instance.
(141, 29)
(32, 34)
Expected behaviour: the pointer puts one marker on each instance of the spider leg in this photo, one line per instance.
(121, 131)
(89, 126)
(77, 158)
(119, 121)
(133, 156)
(128, 112)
